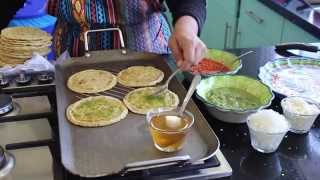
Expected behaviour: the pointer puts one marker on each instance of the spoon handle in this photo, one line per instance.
(244, 54)
(195, 81)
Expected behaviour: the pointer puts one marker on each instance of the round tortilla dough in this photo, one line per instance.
(25, 34)
(117, 108)
(140, 76)
(139, 100)
(91, 81)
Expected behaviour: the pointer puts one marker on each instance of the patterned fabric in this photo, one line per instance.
(144, 27)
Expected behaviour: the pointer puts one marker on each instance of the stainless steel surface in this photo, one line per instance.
(31, 163)
(6, 109)
(211, 173)
(92, 152)
(166, 84)
(86, 42)
(196, 80)
(8, 167)
(155, 163)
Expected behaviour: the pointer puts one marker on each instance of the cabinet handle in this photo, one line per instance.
(226, 35)
(238, 39)
(255, 17)
(230, 37)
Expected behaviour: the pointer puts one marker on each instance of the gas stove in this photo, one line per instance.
(22, 99)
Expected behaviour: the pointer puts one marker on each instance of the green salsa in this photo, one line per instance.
(232, 98)
(143, 100)
(98, 109)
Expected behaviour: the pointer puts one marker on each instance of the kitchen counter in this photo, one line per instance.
(298, 156)
(298, 12)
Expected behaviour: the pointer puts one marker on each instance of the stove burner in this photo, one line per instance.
(15, 111)
(23, 79)
(5, 104)
(4, 82)
(45, 78)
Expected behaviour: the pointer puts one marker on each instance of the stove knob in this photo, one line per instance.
(4, 82)
(45, 78)
(23, 79)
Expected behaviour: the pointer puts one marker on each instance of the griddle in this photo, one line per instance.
(126, 145)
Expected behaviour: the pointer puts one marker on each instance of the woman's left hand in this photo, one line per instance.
(186, 46)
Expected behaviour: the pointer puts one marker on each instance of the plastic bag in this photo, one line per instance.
(36, 64)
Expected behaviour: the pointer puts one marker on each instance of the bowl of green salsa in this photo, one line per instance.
(232, 98)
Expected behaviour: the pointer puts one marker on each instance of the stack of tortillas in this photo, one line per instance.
(17, 44)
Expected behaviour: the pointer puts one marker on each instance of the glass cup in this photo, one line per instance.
(265, 142)
(300, 123)
(168, 130)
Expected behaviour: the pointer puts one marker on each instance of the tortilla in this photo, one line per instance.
(96, 111)
(17, 44)
(91, 81)
(140, 76)
(25, 33)
(141, 100)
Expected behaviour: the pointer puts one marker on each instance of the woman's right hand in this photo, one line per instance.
(187, 48)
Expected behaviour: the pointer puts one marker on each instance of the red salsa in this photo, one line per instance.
(207, 66)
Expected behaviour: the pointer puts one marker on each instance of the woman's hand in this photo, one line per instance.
(186, 46)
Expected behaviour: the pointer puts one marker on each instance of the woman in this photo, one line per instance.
(142, 21)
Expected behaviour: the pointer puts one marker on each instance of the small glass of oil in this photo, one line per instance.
(168, 129)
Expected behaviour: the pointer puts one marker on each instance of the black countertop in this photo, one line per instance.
(297, 12)
(298, 156)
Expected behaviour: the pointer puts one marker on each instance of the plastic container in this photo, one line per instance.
(300, 112)
(267, 132)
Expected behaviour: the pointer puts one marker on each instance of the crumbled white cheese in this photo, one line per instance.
(173, 122)
(300, 113)
(268, 121)
(298, 105)
(267, 129)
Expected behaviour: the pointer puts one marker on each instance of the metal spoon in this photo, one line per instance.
(242, 55)
(195, 81)
(166, 84)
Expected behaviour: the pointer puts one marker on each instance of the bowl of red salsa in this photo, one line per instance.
(216, 62)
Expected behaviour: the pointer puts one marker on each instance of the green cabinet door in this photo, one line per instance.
(219, 28)
(294, 33)
(258, 25)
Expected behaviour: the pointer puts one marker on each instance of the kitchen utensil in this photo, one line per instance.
(238, 84)
(93, 152)
(293, 77)
(297, 46)
(165, 86)
(242, 55)
(196, 80)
